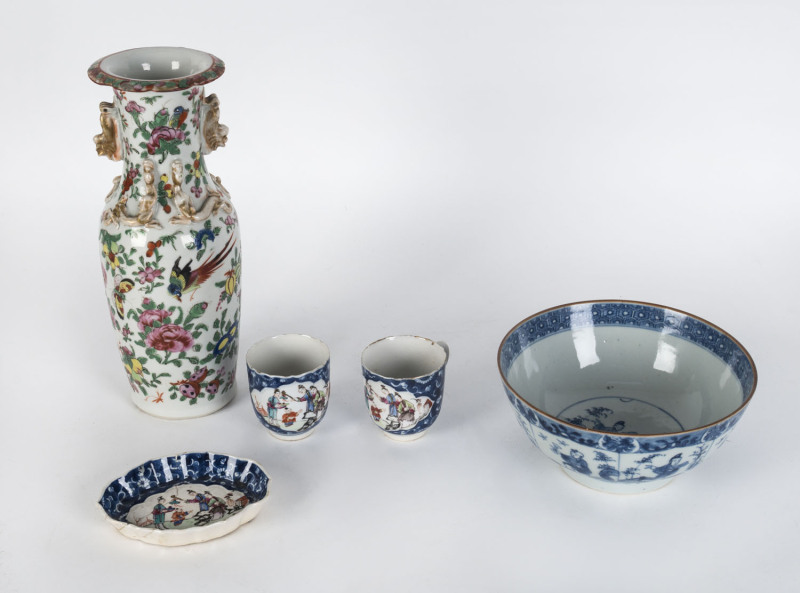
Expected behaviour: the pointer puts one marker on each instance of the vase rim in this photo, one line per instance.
(158, 69)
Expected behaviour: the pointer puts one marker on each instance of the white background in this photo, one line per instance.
(429, 167)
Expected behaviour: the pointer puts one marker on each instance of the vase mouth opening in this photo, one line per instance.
(156, 69)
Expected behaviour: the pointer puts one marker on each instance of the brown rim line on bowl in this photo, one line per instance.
(625, 395)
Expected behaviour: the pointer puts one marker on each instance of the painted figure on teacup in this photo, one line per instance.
(396, 410)
(275, 402)
(293, 408)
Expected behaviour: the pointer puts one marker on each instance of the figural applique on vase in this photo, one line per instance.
(169, 235)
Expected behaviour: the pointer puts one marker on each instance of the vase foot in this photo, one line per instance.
(198, 410)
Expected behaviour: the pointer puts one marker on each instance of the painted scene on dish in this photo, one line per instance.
(187, 505)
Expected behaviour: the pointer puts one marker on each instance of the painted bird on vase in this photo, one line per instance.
(184, 280)
(178, 116)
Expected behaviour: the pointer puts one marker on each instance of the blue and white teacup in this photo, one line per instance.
(289, 378)
(404, 384)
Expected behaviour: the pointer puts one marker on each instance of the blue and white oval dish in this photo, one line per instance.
(624, 395)
(185, 499)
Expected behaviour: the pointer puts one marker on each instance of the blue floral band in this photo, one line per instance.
(260, 381)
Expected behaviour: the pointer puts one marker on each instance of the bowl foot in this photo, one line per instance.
(626, 487)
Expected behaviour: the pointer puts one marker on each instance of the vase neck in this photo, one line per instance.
(159, 126)
(165, 181)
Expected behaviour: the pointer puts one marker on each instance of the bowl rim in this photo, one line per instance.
(739, 409)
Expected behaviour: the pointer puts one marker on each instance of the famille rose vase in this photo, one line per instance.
(169, 236)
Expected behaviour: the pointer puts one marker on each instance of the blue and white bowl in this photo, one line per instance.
(185, 499)
(625, 395)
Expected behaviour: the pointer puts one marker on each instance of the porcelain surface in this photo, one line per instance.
(404, 384)
(624, 395)
(160, 69)
(185, 499)
(169, 234)
(289, 379)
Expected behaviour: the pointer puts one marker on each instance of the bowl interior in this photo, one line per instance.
(663, 375)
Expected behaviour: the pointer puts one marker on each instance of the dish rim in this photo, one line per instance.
(193, 534)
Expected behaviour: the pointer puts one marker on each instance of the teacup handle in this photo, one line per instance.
(446, 350)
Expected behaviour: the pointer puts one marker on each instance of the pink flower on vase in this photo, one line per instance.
(170, 338)
(163, 133)
(197, 191)
(148, 274)
(195, 91)
(196, 119)
(151, 316)
(133, 106)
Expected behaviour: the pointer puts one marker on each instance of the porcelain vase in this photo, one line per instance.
(169, 235)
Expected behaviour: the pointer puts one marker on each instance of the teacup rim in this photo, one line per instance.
(739, 409)
(411, 378)
(298, 375)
